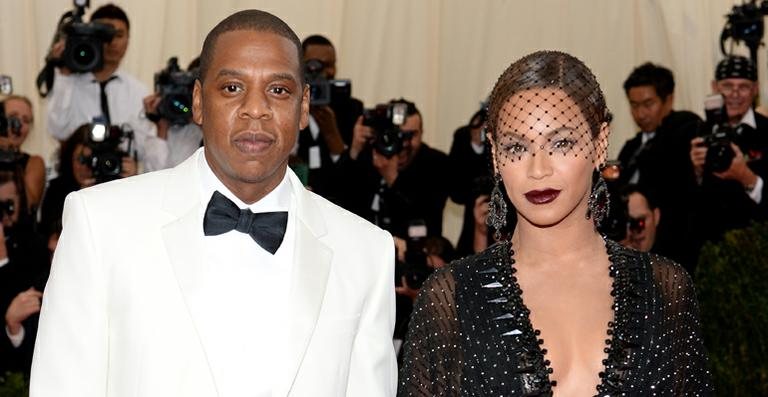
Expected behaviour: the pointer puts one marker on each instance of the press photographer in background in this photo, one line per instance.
(333, 112)
(729, 156)
(16, 121)
(87, 82)
(657, 156)
(170, 108)
(91, 155)
(471, 179)
(24, 266)
(396, 181)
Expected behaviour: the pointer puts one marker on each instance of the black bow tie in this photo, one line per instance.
(265, 228)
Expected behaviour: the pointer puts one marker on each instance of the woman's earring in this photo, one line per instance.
(598, 203)
(497, 209)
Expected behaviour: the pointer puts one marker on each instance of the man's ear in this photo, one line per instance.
(197, 103)
(304, 108)
(657, 215)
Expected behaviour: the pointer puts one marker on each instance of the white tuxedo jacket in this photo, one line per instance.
(121, 312)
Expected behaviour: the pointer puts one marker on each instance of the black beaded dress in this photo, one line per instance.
(471, 335)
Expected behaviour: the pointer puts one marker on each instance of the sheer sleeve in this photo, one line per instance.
(432, 361)
(684, 368)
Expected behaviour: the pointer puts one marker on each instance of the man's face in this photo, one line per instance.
(22, 111)
(411, 142)
(739, 94)
(648, 109)
(642, 238)
(251, 106)
(325, 54)
(9, 194)
(114, 51)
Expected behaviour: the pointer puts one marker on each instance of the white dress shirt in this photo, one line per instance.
(76, 99)
(248, 290)
(182, 141)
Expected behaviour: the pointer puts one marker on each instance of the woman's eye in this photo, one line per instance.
(515, 148)
(564, 144)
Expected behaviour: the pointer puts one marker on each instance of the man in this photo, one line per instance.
(730, 196)
(173, 142)
(404, 192)
(656, 158)
(644, 218)
(108, 93)
(153, 293)
(23, 270)
(322, 144)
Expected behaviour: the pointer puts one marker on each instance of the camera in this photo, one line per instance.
(745, 23)
(9, 126)
(84, 48)
(718, 135)
(6, 85)
(106, 158)
(323, 92)
(175, 89)
(385, 120)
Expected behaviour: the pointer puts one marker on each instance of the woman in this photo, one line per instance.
(566, 312)
(74, 173)
(31, 167)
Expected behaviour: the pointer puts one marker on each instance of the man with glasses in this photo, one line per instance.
(734, 193)
(643, 216)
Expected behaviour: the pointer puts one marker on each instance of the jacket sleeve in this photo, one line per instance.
(71, 351)
(373, 367)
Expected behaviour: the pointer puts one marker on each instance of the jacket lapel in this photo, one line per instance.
(183, 242)
(312, 265)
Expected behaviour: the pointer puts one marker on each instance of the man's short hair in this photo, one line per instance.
(657, 76)
(649, 194)
(111, 11)
(315, 39)
(252, 20)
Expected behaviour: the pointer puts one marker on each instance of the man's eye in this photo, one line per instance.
(232, 88)
(279, 90)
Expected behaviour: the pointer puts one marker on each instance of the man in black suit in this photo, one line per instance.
(404, 192)
(657, 157)
(733, 193)
(329, 134)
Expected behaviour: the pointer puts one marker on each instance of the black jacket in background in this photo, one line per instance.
(418, 194)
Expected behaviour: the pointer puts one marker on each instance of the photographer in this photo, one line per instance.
(657, 157)
(23, 271)
(471, 178)
(177, 136)
(396, 181)
(74, 173)
(30, 167)
(331, 121)
(643, 218)
(105, 92)
(729, 159)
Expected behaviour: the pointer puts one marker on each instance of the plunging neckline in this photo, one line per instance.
(537, 332)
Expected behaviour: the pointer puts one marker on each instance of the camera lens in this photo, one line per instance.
(84, 55)
(179, 104)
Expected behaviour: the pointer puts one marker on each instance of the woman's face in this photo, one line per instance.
(82, 173)
(545, 154)
(22, 111)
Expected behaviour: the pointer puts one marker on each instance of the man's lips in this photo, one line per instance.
(253, 142)
(543, 196)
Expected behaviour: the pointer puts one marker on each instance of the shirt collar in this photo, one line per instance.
(279, 199)
(749, 119)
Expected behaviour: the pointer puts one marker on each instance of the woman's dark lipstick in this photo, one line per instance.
(542, 196)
